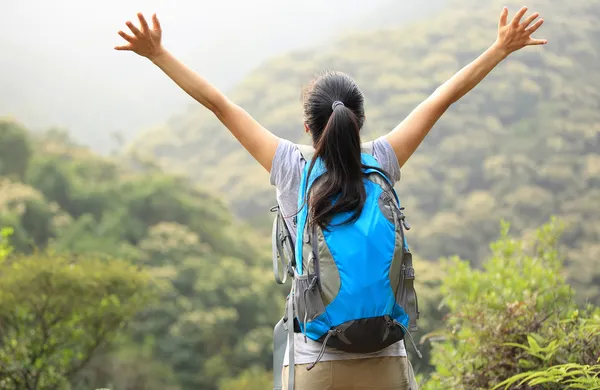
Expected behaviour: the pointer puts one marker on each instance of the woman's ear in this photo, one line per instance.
(306, 128)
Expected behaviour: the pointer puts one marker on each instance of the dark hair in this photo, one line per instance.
(335, 129)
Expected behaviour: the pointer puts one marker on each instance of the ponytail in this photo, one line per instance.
(339, 147)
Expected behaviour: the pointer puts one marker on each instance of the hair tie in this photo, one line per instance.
(335, 104)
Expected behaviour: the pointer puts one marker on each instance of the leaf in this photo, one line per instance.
(533, 344)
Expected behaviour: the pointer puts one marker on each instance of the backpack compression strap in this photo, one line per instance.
(281, 240)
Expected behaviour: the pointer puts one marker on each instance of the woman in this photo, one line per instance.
(334, 97)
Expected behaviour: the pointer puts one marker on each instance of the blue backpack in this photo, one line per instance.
(353, 283)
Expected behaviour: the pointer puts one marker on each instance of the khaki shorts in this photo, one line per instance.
(384, 373)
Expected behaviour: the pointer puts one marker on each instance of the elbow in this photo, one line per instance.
(219, 105)
(441, 99)
(222, 108)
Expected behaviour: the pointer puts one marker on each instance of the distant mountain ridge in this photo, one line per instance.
(64, 72)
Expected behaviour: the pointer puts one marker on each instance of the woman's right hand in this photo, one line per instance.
(145, 41)
(257, 140)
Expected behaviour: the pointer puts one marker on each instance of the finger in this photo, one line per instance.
(134, 29)
(156, 24)
(124, 47)
(126, 37)
(533, 42)
(503, 17)
(143, 22)
(530, 19)
(535, 26)
(518, 17)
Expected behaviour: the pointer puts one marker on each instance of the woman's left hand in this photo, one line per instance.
(515, 35)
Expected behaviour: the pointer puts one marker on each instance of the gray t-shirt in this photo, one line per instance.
(286, 172)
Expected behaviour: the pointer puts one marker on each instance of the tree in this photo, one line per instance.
(15, 149)
(27, 212)
(57, 311)
(254, 378)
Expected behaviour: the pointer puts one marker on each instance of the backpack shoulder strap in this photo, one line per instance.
(308, 151)
(367, 148)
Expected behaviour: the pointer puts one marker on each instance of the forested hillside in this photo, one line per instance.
(215, 302)
(122, 280)
(523, 146)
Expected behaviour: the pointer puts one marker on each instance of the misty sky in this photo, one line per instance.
(58, 66)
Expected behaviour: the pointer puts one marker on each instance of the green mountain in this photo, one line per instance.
(524, 146)
(215, 300)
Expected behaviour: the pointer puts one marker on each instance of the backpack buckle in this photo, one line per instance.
(405, 223)
(290, 270)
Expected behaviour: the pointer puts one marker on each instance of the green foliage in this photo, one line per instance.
(427, 284)
(31, 217)
(216, 302)
(14, 149)
(5, 248)
(513, 318)
(254, 378)
(523, 146)
(568, 360)
(126, 366)
(516, 271)
(570, 376)
(56, 311)
(216, 313)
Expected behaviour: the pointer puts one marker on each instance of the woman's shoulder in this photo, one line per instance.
(386, 157)
(291, 157)
(290, 151)
(287, 161)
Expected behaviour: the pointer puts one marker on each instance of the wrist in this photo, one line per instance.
(499, 50)
(156, 56)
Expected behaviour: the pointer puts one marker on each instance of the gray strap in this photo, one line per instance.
(278, 258)
(290, 326)
(279, 344)
(308, 151)
(367, 148)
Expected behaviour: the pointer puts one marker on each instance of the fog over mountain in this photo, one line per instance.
(58, 66)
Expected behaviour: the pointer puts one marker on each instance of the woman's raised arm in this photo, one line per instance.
(409, 134)
(146, 42)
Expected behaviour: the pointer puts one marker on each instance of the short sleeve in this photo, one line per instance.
(386, 157)
(286, 164)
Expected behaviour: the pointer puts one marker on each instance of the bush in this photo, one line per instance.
(57, 311)
(515, 318)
